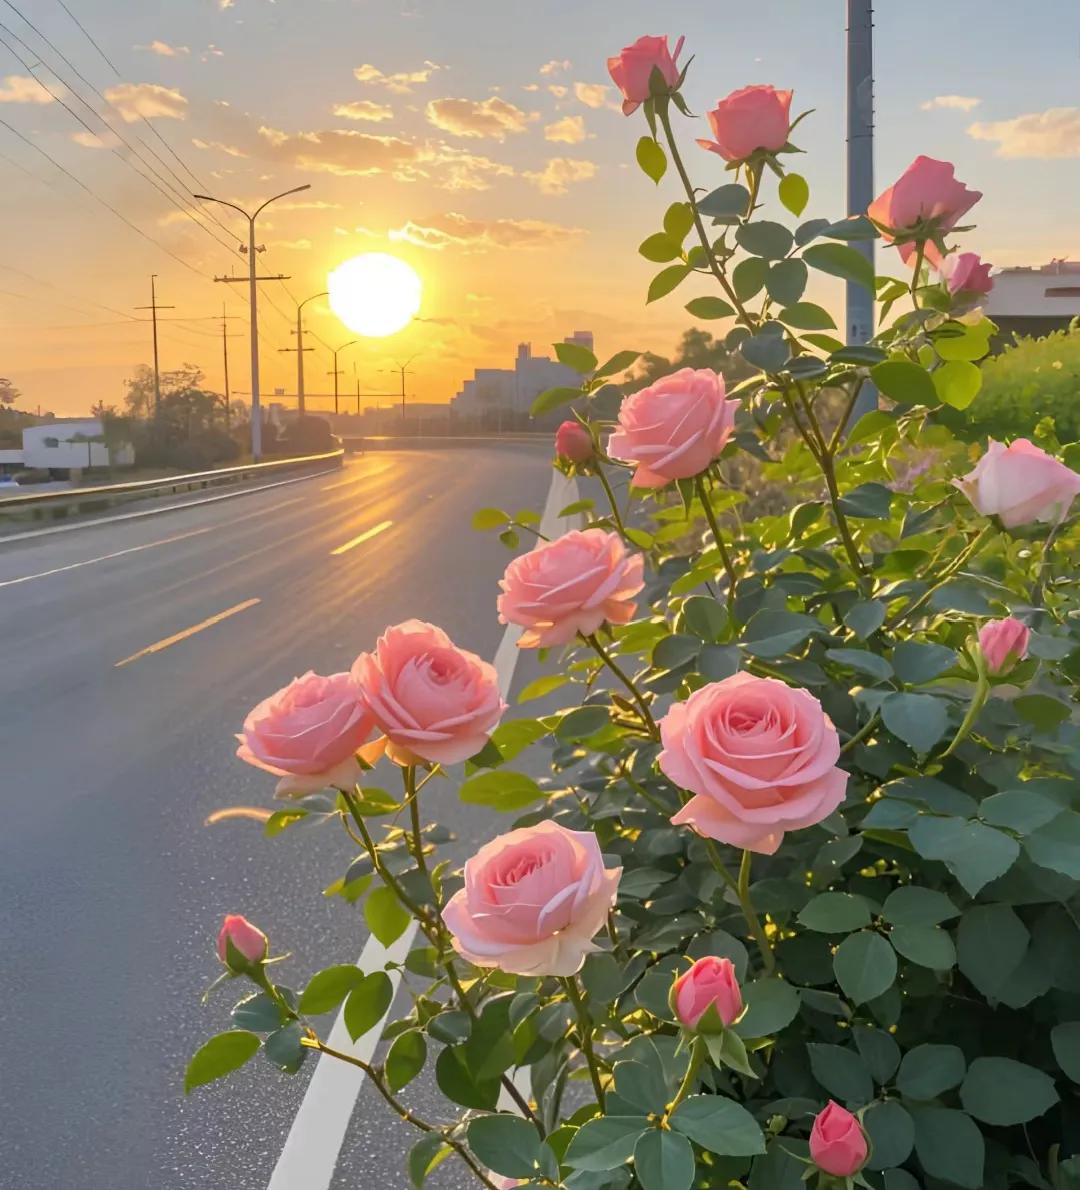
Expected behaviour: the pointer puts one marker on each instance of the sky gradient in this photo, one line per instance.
(475, 139)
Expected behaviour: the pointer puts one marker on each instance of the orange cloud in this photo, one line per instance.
(400, 83)
(1052, 133)
(570, 130)
(494, 117)
(19, 89)
(591, 94)
(364, 109)
(560, 173)
(456, 230)
(134, 101)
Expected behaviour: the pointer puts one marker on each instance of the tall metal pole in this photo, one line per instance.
(358, 396)
(300, 407)
(154, 308)
(225, 351)
(860, 174)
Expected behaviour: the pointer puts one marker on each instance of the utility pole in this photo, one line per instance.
(403, 370)
(337, 371)
(860, 174)
(300, 349)
(154, 308)
(225, 337)
(252, 278)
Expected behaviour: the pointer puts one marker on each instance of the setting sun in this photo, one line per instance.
(374, 294)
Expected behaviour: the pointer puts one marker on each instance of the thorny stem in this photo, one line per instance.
(986, 532)
(741, 888)
(585, 1031)
(920, 253)
(978, 700)
(861, 734)
(841, 425)
(609, 661)
(697, 1056)
(611, 500)
(718, 538)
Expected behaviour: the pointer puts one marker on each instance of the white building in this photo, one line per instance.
(492, 391)
(71, 443)
(1035, 300)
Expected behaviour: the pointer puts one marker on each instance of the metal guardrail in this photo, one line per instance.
(55, 505)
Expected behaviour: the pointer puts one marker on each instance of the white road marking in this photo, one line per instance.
(313, 1145)
(134, 549)
(353, 479)
(367, 535)
(177, 637)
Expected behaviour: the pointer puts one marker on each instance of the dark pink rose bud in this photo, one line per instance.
(837, 1142)
(710, 983)
(238, 937)
(966, 273)
(631, 70)
(573, 443)
(1003, 643)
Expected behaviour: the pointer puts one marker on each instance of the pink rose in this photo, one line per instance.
(573, 443)
(309, 733)
(837, 1142)
(675, 428)
(710, 983)
(1003, 643)
(631, 70)
(1020, 483)
(926, 192)
(572, 584)
(246, 940)
(760, 757)
(433, 701)
(749, 119)
(533, 900)
(966, 273)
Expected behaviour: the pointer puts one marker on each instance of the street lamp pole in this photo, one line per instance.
(252, 278)
(300, 349)
(337, 371)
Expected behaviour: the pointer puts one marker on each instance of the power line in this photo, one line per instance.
(82, 28)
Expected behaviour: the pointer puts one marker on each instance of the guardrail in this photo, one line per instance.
(55, 505)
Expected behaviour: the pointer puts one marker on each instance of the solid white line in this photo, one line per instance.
(367, 535)
(311, 1150)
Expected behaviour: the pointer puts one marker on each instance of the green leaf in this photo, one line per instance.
(405, 1058)
(672, 651)
(660, 248)
(920, 720)
(928, 946)
(905, 382)
(772, 241)
(491, 518)
(915, 662)
(862, 661)
(652, 158)
(1065, 1040)
(428, 1153)
(870, 501)
(386, 917)
(1001, 1091)
(285, 1048)
(838, 260)
(865, 617)
(666, 280)
(705, 617)
(664, 1160)
(368, 1003)
(972, 343)
(501, 790)
(835, 913)
(258, 1013)
(1020, 810)
(606, 1142)
(878, 1050)
(807, 316)
(1042, 711)
(950, 1146)
(709, 308)
(748, 277)
(581, 723)
(573, 355)
(794, 193)
(912, 905)
(865, 966)
(785, 282)
(771, 1005)
(554, 398)
(726, 202)
(678, 219)
(855, 227)
(326, 989)
(928, 1071)
(717, 662)
(541, 686)
(766, 351)
(460, 1085)
(991, 942)
(974, 853)
(957, 383)
(506, 1144)
(641, 1087)
(720, 1125)
(773, 633)
(619, 362)
(842, 1072)
(892, 1134)
(221, 1055)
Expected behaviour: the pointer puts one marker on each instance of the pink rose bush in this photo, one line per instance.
(533, 901)
(709, 984)
(748, 120)
(759, 756)
(675, 428)
(570, 586)
(1003, 643)
(1019, 484)
(925, 201)
(631, 70)
(838, 1144)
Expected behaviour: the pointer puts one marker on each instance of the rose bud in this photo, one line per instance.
(1020, 483)
(573, 443)
(966, 275)
(837, 1142)
(749, 119)
(631, 71)
(926, 194)
(240, 945)
(1003, 643)
(709, 984)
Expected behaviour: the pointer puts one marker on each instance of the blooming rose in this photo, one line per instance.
(837, 1142)
(759, 756)
(247, 940)
(1020, 483)
(710, 983)
(570, 585)
(309, 733)
(749, 119)
(674, 428)
(966, 273)
(573, 442)
(632, 70)
(926, 191)
(434, 701)
(1003, 643)
(533, 900)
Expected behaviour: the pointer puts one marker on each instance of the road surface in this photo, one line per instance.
(129, 654)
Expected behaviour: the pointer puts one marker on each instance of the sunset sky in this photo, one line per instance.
(478, 140)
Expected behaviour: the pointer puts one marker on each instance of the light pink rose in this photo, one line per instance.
(749, 119)
(247, 940)
(710, 983)
(572, 584)
(1003, 643)
(674, 428)
(925, 191)
(573, 443)
(966, 273)
(309, 733)
(760, 757)
(1020, 483)
(432, 700)
(533, 901)
(632, 69)
(837, 1142)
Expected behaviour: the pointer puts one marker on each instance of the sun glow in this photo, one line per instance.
(374, 294)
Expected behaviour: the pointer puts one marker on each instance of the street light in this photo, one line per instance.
(403, 370)
(256, 411)
(300, 349)
(337, 373)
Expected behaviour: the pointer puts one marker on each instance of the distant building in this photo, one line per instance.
(69, 444)
(1035, 300)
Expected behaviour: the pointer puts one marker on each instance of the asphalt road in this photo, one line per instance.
(112, 885)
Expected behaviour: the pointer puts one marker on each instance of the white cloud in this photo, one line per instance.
(570, 130)
(341, 151)
(458, 169)
(163, 49)
(459, 231)
(494, 117)
(88, 140)
(960, 103)
(291, 245)
(560, 173)
(401, 83)
(303, 205)
(556, 66)
(134, 101)
(364, 109)
(530, 87)
(221, 146)
(1052, 133)
(591, 94)
(18, 88)
(558, 90)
